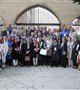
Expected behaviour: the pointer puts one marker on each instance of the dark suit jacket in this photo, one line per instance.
(23, 49)
(64, 48)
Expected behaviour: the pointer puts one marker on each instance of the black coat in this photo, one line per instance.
(23, 49)
(15, 53)
(74, 53)
(55, 54)
(64, 49)
(64, 54)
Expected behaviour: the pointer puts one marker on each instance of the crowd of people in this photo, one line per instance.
(40, 46)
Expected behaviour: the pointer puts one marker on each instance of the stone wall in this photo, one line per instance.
(65, 10)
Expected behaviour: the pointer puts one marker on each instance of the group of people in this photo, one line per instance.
(40, 46)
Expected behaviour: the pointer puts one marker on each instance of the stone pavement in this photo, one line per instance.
(39, 78)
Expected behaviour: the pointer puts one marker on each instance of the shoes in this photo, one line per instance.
(2, 67)
(74, 67)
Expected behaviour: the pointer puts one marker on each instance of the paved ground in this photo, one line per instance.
(39, 78)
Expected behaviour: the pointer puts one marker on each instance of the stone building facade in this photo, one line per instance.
(65, 10)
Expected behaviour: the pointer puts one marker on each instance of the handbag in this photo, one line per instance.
(43, 52)
(27, 58)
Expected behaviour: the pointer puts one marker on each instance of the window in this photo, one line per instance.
(38, 16)
(76, 23)
(1, 24)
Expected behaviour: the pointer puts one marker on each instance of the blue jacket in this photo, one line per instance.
(64, 33)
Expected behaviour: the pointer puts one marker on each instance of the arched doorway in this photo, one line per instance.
(1, 24)
(76, 23)
(38, 15)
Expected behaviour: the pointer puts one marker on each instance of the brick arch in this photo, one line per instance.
(34, 6)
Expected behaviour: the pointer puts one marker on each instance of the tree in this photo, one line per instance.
(74, 1)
